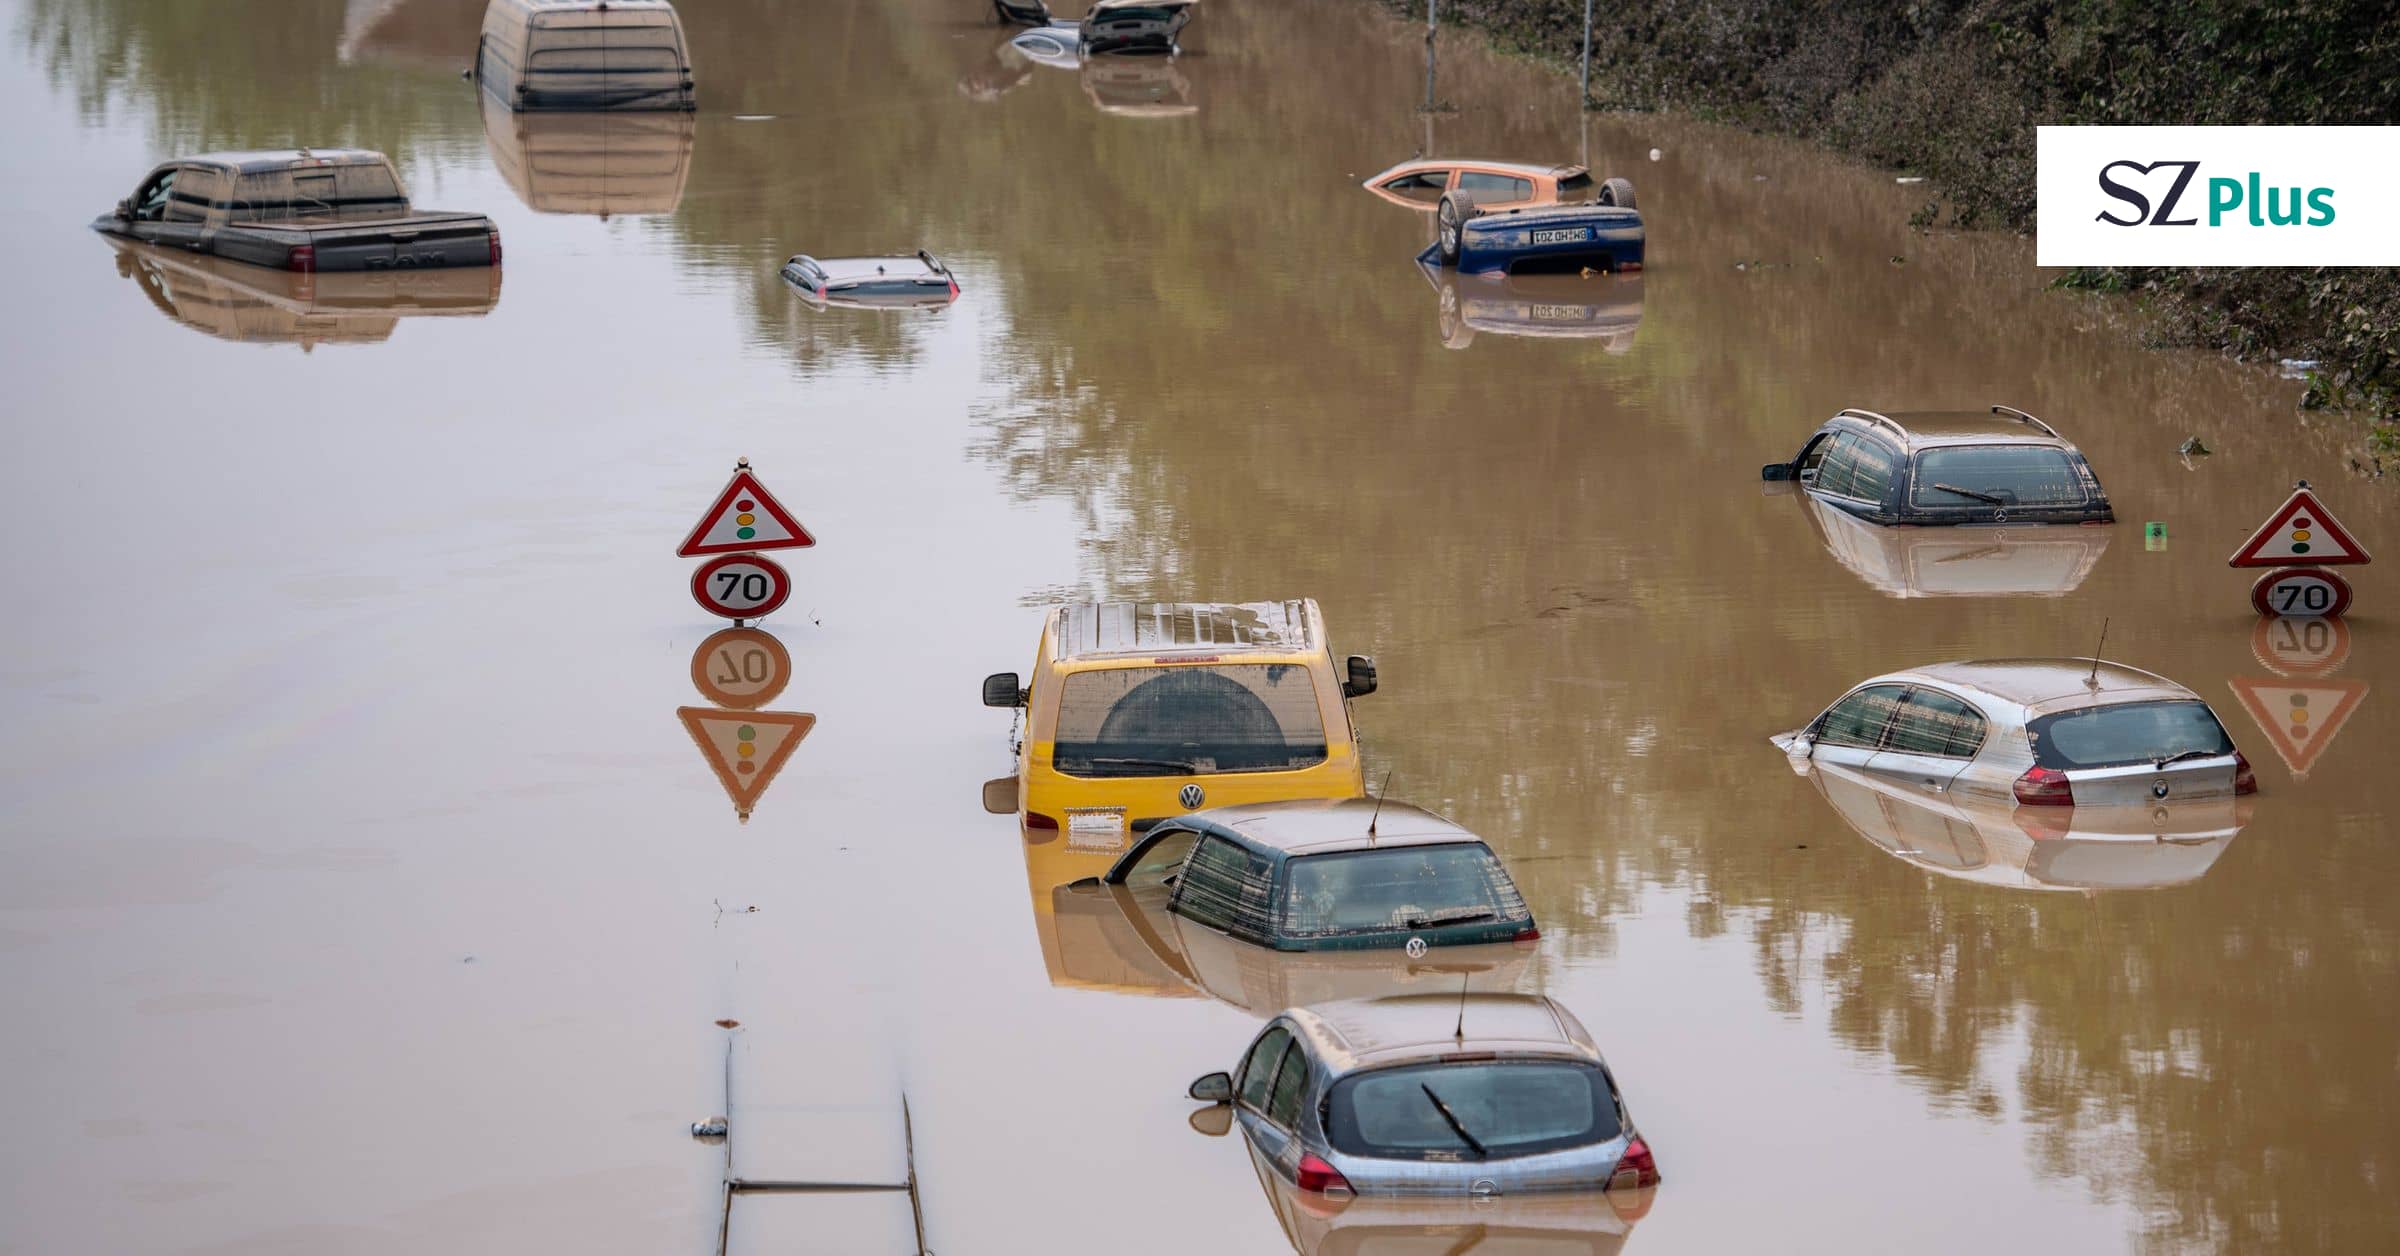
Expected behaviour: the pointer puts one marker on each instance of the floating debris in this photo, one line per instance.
(2298, 368)
(729, 1024)
(754, 117)
(1910, 178)
(1898, 260)
(1654, 154)
(2192, 448)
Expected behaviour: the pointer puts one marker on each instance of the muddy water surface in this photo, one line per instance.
(361, 889)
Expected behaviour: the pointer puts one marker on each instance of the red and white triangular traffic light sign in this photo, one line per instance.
(2299, 717)
(745, 517)
(745, 748)
(2301, 533)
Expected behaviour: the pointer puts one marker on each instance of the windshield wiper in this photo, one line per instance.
(1179, 765)
(1968, 492)
(1451, 916)
(1452, 1118)
(2188, 754)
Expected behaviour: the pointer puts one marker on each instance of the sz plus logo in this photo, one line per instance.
(2125, 182)
(2217, 196)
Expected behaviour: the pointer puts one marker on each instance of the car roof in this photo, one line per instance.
(1357, 1033)
(2041, 684)
(1317, 826)
(852, 269)
(1925, 429)
(1081, 630)
(255, 160)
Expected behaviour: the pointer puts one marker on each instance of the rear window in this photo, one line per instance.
(2018, 475)
(1509, 1107)
(1404, 887)
(2134, 732)
(1189, 720)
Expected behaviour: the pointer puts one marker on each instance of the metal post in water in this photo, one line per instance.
(1587, 54)
(1430, 22)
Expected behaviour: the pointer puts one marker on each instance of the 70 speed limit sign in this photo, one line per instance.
(740, 586)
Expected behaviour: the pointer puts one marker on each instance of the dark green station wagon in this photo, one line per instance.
(1330, 875)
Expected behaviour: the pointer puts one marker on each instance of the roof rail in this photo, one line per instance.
(1878, 419)
(2021, 416)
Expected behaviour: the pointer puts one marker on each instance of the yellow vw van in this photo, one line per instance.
(1141, 711)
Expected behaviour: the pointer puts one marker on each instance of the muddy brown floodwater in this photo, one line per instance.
(361, 889)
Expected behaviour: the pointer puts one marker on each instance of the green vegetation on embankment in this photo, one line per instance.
(1952, 90)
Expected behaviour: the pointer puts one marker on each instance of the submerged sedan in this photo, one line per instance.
(1473, 1095)
(2045, 732)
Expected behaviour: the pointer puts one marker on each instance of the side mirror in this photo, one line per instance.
(1000, 796)
(1775, 471)
(1359, 680)
(1213, 1088)
(1003, 689)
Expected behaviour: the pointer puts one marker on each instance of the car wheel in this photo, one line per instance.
(1617, 192)
(1452, 215)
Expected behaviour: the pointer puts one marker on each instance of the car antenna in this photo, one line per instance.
(1377, 814)
(2093, 681)
(1460, 1033)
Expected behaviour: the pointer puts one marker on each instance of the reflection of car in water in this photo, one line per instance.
(1578, 1223)
(2046, 732)
(1122, 938)
(232, 301)
(2127, 846)
(1331, 875)
(1140, 711)
(591, 163)
(1138, 87)
(2037, 560)
(1607, 308)
(1942, 468)
(1457, 1095)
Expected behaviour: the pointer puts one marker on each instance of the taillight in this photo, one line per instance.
(1316, 1175)
(954, 290)
(495, 243)
(2245, 781)
(1638, 1161)
(820, 292)
(1036, 820)
(2044, 787)
(303, 259)
(1530, 933)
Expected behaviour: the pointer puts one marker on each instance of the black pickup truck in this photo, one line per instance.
(299, 209)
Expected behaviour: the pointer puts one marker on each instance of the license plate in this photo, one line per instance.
(1096, 828)
(1562, 313)
(1561, 235)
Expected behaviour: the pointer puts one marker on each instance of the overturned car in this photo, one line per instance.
(1605, 234)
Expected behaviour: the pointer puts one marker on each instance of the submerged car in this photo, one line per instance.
(1465, 1095)
(1141, 711)
(584, 55)
(1606, 308)
(1120, 937)
(2034, 561)
(1993, 842)
(253, 305)
(1604, 235)
(1420, 182)
(1109, 26)
(880, 283)
(301, 209)
(1354, 874)
(2045, 732)
(1940, 468)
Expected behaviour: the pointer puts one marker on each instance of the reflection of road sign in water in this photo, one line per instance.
(2301, 592)
(2301, 647)
(740, 586)
(741, 668)
(745, 517)
(2299, 717)
(2301, 533)
(746, 748)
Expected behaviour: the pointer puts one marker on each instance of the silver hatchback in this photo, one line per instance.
(2045, 732)
(1435, 1094)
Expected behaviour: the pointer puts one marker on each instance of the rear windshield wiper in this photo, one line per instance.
(1451, 916)
(1968, 492)
(2188, 754)
(1177, 765)
(1452, 1118)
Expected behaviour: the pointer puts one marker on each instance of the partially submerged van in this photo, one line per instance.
(1142, 711)
(584, 55)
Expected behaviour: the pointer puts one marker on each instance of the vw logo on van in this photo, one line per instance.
(2158, 789)
(1192, 796)
(1415, 948)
